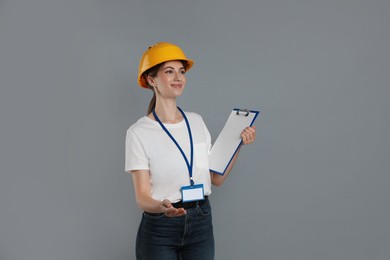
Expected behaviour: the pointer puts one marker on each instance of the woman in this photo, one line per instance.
(167, 155)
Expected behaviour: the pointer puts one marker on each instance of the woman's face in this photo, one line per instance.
(170, 80)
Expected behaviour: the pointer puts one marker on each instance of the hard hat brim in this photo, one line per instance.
(142, 81)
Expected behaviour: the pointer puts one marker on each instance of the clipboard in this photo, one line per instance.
(229, 140)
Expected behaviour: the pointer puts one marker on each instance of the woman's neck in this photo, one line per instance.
(167, 112)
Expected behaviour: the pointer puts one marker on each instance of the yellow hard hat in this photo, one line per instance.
(159, 53)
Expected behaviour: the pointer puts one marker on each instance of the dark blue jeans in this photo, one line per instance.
(189, 237)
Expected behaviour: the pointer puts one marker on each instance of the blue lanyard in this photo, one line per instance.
(189, 165)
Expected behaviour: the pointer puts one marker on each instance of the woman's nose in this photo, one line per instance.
(178, 76)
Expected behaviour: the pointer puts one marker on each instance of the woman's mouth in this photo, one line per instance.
(177, 85)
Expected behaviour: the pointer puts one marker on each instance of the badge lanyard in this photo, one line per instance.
(189, 164)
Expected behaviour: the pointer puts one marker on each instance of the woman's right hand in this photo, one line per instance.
(170, 211)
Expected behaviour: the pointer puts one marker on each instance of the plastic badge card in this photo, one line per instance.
(229, 140)
(192, 193)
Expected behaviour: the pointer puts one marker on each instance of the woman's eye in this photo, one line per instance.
(182, 72)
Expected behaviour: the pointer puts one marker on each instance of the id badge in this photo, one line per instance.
(191, 193)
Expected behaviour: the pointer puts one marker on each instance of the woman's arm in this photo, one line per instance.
(142, 188)
(248, 136)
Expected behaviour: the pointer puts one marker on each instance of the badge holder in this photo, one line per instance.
(192, 193)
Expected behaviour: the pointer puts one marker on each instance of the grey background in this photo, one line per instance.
(315, 185)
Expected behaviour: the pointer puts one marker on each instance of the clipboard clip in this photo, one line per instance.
(246, 111)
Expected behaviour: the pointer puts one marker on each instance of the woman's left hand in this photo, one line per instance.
(248, 135)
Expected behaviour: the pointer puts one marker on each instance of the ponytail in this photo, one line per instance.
(153, 73)
(152, 103)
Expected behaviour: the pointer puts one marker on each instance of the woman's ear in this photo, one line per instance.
(151, 81)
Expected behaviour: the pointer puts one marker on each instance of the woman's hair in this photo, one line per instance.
(153, 73)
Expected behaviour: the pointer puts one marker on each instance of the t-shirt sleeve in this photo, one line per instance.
(136, 158)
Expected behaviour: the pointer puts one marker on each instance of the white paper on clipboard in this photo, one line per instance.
(229, 140)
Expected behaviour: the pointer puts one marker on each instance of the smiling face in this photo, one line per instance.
(170, 80)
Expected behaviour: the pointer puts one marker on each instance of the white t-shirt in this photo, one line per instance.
(148, 147)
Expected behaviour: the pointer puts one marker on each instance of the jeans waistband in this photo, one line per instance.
(190, 204)
(185, 205)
